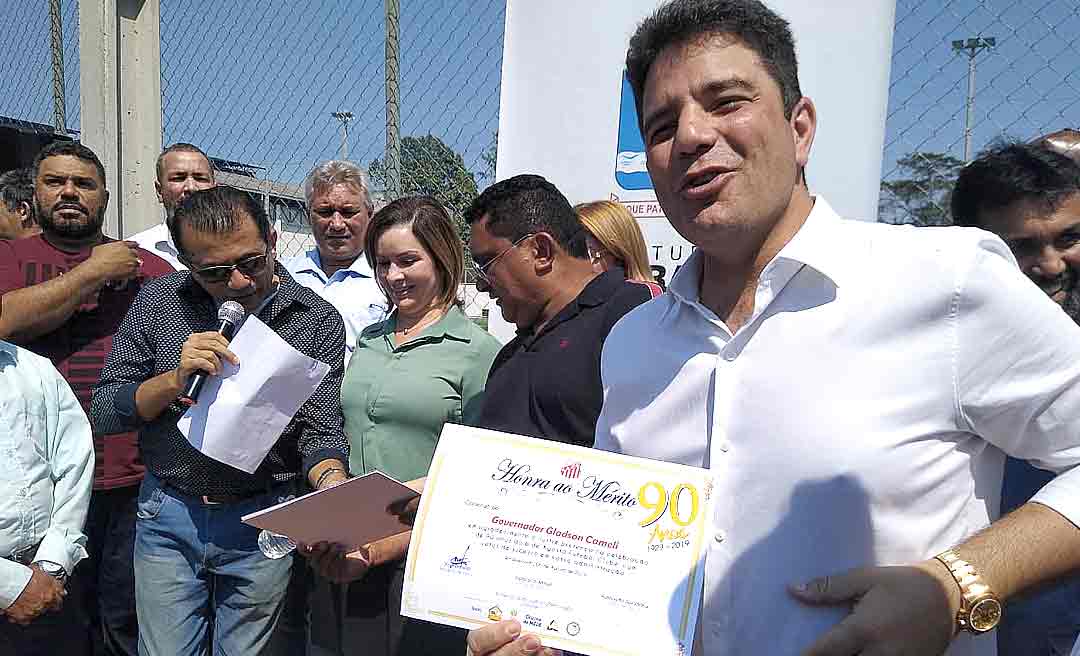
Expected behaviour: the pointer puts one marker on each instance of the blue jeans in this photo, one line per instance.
(198, 566)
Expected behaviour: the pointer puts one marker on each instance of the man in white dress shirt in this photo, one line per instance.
(44, 496)
(854, 387)
(181, 169)
(339, 208)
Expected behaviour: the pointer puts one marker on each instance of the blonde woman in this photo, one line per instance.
(615, 240)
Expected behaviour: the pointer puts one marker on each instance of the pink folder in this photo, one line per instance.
(351, 514)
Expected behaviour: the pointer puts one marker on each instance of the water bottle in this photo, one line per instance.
(275, 546)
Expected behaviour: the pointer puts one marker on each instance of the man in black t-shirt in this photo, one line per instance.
(530, 255)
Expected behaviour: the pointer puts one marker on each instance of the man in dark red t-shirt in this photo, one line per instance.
(63, 294)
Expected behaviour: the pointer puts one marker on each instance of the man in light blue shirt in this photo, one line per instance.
(339, 208)
(45, 484)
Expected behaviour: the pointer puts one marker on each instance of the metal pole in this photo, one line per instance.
(56, 34)
(970, 113)
(344, 117)
(971, 48)
(345, 141)
(393, 142)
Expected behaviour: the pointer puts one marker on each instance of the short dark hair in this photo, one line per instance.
(681, 22)
(17, 187)
(434, 229)
(179, 147)
(72, 149)
(527, 204)
(220, 211)
(1011, 172)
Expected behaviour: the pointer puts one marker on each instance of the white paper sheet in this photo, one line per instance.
(241, 414)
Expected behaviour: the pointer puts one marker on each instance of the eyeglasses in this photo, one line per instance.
(483, 269)
(249, 267)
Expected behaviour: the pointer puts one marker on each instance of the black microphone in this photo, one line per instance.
(231, 314)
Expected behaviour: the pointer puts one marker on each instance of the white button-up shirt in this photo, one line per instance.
(858, 418)
(48, 469)
(158, 241)
(353, 292)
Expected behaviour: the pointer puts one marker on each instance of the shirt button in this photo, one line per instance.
(716, 630)
(718, 536)
(724, 446)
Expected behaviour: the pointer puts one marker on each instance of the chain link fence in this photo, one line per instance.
(271, 88)
(39, 74)
(257, 84)
(1016, 65)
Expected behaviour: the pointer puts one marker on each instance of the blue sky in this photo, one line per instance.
(256, 80)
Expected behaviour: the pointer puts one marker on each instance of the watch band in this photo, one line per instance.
(975, 595)
(53, 569)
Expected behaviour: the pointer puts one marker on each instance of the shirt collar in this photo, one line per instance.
(814, 245)
(313, 264)
(453, 325)
(596, 292)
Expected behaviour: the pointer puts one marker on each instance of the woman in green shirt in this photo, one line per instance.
(423, 366)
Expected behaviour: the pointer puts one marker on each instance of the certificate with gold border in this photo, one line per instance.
(595, 552)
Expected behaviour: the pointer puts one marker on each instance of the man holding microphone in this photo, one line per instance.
(197, 564)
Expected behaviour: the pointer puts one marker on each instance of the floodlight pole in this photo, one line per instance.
(971, 47)
(344, 117)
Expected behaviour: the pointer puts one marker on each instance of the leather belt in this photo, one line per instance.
(226, 499)
(218, 499)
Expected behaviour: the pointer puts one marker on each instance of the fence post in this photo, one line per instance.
(56, 47)
(393, 108)
(120, 97)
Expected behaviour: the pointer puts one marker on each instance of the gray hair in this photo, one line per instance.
(333, 172)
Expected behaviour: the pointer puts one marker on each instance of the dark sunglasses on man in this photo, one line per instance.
(249, 267)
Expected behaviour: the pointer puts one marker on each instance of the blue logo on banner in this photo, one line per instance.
(630, 171)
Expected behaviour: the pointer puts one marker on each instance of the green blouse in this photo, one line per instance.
(397, 398)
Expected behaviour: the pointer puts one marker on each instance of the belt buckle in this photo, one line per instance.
(208, 500)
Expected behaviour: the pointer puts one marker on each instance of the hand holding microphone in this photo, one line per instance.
(202, 353)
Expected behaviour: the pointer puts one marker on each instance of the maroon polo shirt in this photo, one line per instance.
(79, 347)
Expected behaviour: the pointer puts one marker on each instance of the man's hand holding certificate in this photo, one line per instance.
(592, 551)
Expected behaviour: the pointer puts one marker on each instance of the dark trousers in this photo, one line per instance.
(372, 624)
(1044, 621)
(107, 577)
(294, 626)
(62, 632)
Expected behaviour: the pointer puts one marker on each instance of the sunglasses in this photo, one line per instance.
(248, 267)
(483, 270)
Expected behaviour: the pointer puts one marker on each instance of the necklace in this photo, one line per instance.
(422, 323)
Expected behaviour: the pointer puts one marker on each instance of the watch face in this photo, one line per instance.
(985, 614)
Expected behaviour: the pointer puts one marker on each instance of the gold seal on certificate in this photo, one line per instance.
(595, 552)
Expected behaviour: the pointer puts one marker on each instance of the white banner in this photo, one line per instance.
(568, 114)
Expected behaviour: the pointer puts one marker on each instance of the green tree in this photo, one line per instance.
(920, 194)
(430, 167)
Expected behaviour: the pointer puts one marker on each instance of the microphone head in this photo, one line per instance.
(232, 312)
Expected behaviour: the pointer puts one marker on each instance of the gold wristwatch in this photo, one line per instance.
(980, 609)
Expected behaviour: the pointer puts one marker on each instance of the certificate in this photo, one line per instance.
(595, 552)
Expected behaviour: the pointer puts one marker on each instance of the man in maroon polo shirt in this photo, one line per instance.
(63, 294)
